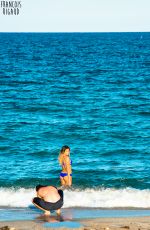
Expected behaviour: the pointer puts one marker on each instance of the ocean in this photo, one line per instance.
(90, 91)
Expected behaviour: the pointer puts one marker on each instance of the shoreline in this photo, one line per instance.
(131, 223)
(75, 213)
(75, 218)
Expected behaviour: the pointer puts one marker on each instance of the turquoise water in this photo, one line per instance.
(87, 90)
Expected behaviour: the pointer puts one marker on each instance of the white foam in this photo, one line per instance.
(16, 198)
(96, 198)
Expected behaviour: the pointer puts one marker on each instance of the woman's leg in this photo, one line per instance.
(67, 181)
(62, 181)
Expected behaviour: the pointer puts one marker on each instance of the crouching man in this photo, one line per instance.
(48, 198)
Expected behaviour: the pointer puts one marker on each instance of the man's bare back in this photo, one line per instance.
(49, 194)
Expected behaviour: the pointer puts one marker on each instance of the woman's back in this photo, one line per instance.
(66, 164)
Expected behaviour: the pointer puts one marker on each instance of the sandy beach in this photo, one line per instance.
(132, 223)
(75, 218)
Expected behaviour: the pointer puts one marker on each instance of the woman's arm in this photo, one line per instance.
(69, 170)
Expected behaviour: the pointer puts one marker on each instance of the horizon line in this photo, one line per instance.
(74, 31)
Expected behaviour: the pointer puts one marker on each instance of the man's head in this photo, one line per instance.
(40, 186)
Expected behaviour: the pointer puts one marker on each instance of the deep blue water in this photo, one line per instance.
(90, 91)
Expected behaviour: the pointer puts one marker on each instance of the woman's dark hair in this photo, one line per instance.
(63, 149)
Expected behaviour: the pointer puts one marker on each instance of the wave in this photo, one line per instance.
(94, 198)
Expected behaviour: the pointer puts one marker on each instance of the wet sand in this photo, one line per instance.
(132, 223)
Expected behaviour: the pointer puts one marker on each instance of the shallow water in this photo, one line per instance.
(68, 215)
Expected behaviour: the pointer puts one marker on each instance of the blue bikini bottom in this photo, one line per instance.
(64, 174)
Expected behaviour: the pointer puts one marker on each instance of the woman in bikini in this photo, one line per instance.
(65, 162)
